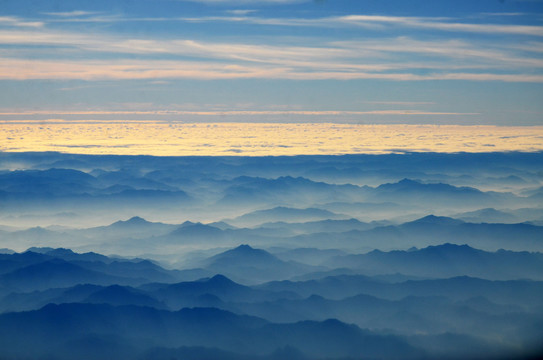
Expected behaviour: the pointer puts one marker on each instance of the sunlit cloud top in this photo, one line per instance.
(266, 139)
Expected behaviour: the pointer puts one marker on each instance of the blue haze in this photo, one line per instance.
(411, 256)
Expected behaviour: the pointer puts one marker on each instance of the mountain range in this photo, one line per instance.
(393, 256)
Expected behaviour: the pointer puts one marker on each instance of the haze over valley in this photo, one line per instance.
(383, 256)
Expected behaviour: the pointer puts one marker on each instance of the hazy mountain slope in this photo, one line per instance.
(431, 230)
(250, 265)
(438, 283)
(53, 274)
(447, 260)
(524, 292)
(200, 292)
(52, 329)
(286, 214)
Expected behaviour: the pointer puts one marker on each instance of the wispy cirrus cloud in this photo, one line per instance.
(268, 53)
(99, 55)
(379, 22)
(18, 69)
(239, 112)
(375, 22)
(241, 11)
(398, 58)
(402, 103)
(503, 14)
(75, 13)
(13, 21)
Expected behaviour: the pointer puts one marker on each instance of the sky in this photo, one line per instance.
(460, 62)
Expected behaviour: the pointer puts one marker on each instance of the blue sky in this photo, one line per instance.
(363, 61)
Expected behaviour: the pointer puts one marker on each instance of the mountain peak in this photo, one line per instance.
(219, 280)
(247, 250)
(40, 250)
(244, 254)
(197, 230)
(60, 252)
(188, 223)
(243, 248)
(450, 247)
(136, 220)
(408, 181)
(438, 220)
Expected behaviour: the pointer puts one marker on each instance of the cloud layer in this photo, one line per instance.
(52, 57)
(151, 138)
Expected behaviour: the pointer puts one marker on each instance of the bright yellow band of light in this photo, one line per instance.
(257, 139)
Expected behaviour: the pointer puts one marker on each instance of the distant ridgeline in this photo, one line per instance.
(402, 256)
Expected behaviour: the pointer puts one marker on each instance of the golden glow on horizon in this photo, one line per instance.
(257, 139)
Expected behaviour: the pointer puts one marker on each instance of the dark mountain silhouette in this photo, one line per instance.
(312, 224)
(34, 255)
(407, 315)
(122, 295)
(432, 220)
(50, 268)
(197, 232)
(69, 255)
(243, 254)
(407, 185)
(249, 265)
(201, 353)
(140, 270)
(51, 181)
(525, 292)
(190, 293)
(25, 301)
(53, 328)
(11, 262)
(55, 273)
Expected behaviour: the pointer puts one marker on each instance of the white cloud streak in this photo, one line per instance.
(19, 69)
(75, 13)
(239, 113)
(376, 22)
(334, 52)
(240, 11)
(395, 59)
(379, 22)
(402, 103)
(17, 22)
